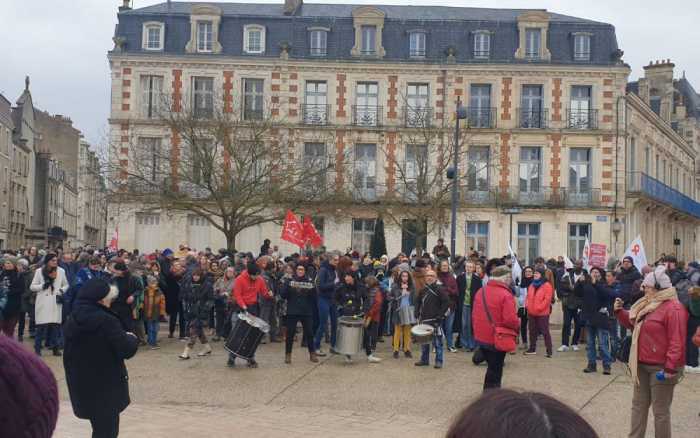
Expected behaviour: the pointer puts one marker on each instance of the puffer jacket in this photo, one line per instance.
(539, 300)
(626, 279)
(352, 299)
(501, 305)
(662, 340)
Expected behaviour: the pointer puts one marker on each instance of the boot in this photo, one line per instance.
(186, 354)
(288, 358)
(312, 357)
(591, 368)
(606, 370)
(56, 351)
(206, 350)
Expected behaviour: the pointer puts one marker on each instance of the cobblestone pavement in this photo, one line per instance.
(202, 397)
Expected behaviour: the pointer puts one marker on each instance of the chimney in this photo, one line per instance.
(126, 6)
(292, 6)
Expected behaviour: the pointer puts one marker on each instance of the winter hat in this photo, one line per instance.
(28, 393)
(93, 291)
(252, 269)
(628, 258)
(500, 273)
(404, 267)
(659, 277)
(119, 265)
(542, 272)
(167, 252)
(10, 259)
(377, 264)
(694, 265)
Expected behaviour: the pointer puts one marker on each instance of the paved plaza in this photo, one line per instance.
(201, 397)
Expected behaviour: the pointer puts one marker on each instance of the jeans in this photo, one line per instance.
(48, 332)
(570, 315)
(306, 325)
(105, 426)
(425, 350)
(466, 336)
(447, 325)
(369, 337)
(539, 325)
(179, 313)
(691, 356)
(152, 327)
(603, 337)
(326, 309)
(494, 372)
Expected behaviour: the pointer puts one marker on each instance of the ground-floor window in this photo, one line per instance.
(477, 238)
(414, 234)
(362, 232)
(577, 239)
(528, 241)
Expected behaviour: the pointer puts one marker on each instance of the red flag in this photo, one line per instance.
(292, 231)
(311, 234)
(114, 243)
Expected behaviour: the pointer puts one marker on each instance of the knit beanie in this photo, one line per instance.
(658, 276)
(28, 393)
(501, 273)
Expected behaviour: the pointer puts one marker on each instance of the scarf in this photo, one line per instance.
(538, 283)
(644, 306)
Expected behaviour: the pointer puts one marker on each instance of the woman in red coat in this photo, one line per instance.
(659, 324)
(539, 307)
(501, 307)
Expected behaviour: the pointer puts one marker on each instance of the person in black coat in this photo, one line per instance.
(300, 293)
(96, 345)
(14, 285)
(595, 312)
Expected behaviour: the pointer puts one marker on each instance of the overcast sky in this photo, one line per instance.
(62, 44)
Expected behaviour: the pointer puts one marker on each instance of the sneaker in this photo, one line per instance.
(529, 353)
(564, 348)
(333, 351)
(691, 370)
(452, 349)
(320, 353)
(396, 354)
(437, 365)
(606, 371)
(420, 363)
(408, 354)
(155, 347)
(348, 358)
(575, 347)
(548, 355)
(373, 359)
(591, 368)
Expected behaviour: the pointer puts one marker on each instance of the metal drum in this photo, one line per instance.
(422, 333)
(407, 315)
(350, 331)
(246, 334)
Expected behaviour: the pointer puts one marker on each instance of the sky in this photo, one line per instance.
(62, 45)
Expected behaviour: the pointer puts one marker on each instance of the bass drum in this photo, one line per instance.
(422, 333)
(246, 334)
(350, 332)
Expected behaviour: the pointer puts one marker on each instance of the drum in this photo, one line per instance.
(246, 334)
(422, 333)
(350, 332)
(407, 315)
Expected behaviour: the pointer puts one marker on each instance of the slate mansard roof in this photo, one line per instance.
(445, 27)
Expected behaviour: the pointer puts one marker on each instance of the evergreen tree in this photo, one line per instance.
(377, 246)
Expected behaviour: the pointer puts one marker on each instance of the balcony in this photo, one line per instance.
(417, 117)
(581, 198)
(481, 117)
(543, 197)
(533, 119)
(643, 184)
(315, 114)
(582, 119)
(367, 115)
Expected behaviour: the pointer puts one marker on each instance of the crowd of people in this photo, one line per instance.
(471, 303)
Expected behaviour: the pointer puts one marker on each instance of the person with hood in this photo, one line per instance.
(300, 293)
(13, 284)
(402, 295)
(197, 294)
(447, 279)
(351, 297)
(494, 306)
(468, 283)
(597, 300)
(326, 281)
(49, 284)
(571, 306)
(432, 303)
(657, 355)
(96, 346)
(539, 307)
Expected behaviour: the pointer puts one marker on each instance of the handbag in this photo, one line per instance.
(623, 353)
(504, 338)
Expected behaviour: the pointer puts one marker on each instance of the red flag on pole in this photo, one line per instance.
(114, 243)
(311, 234)
(292, 231)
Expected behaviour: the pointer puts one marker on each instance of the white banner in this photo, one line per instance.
(516, 270)
(636, 251)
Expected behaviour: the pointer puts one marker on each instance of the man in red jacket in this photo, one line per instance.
(247, 288)
(501, 306)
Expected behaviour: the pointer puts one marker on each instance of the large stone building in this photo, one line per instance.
(92, 200)
(545, 162)
(6, 149)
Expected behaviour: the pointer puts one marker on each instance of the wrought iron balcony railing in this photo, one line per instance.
(367, 115)
(315, 114)
(582, 118)
(481, 117)
(533, 119)
(417, 117)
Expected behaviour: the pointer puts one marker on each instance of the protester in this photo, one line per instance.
(525, 282)
(153, 310)
(13, 284)
(468, 283)
(222, 293)
(49, 284)
(300, 294)
(571, 306)
(402, 296)
(327, 280)
(539, 307)
(431, 305)
(197, 295)
(372, 317)
(597, 300)
(657, 355)
(447, 279)
(95, 350)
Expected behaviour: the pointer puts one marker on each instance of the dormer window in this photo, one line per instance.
(582, 47)
(482, 44)
(254, 39)
(533, 43)
(153, 33)
(369, 40)
(368, 22)
(318, 41)
(416, 41)
(204, 36)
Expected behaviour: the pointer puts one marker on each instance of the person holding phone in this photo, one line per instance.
(657, 356)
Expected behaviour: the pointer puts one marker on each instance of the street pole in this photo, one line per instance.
(511, 230)
(453, 224)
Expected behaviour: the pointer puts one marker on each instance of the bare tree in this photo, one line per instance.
(234, 168)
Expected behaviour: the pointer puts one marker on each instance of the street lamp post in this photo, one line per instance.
(510, 212)
(453, 174)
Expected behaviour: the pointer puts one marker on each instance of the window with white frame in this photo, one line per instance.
(151, 95)
(528, 241)
(416, 41)
(362, 233)
(254, 39)
(578, 233)
(478, 237)
(369, 40)
(205, 36)
(482, 44)
(533, 43)
(478, 168)
(153, 35)
(530, 169)
(582, 47)
(253, 99)
(151, 157)
(318, 42)
(203, 97)
(365, 171)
